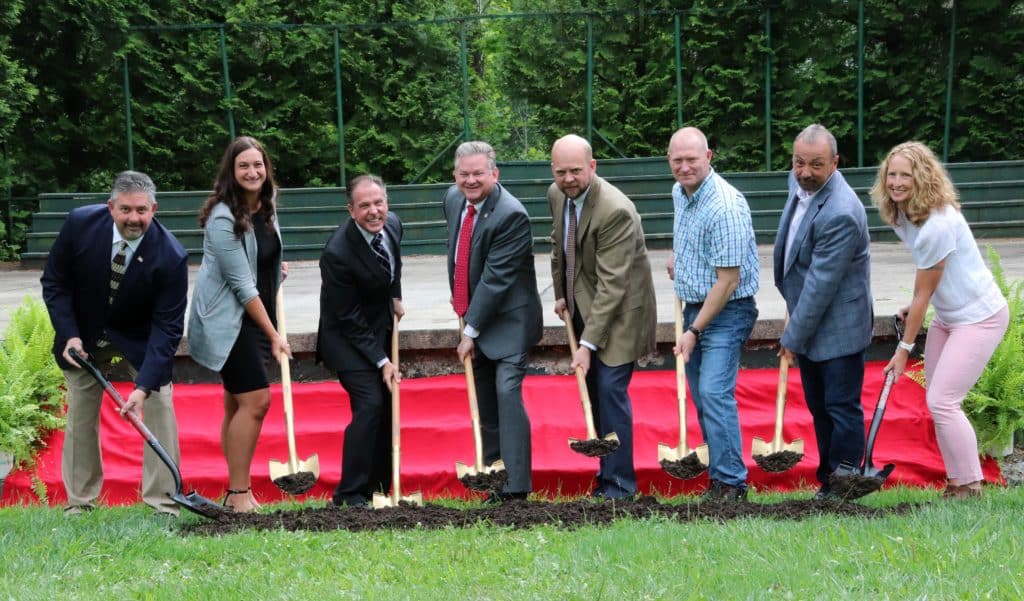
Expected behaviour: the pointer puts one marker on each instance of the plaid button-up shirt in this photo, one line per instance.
(712, 229)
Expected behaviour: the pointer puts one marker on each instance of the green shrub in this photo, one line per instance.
(31, 393)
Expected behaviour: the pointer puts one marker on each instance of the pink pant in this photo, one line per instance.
(954, 358)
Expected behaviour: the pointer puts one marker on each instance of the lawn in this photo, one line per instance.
(972, 549)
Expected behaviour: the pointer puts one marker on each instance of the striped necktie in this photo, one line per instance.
(117, 269)
(377, 244)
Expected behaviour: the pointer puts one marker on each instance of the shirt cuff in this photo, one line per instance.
(470, 331)
(383, 362)
(589, 345)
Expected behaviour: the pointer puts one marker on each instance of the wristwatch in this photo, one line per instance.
(907, 346)
(695, 331)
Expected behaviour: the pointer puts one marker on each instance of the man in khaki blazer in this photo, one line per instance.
(611, 296)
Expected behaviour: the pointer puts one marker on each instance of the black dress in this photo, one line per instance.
(246, 367)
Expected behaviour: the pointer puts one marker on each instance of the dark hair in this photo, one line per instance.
(227, 190)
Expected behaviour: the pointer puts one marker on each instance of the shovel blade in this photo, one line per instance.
(279, 469)
(760, 447)
(462, 470)
(381, 500)
(670, 453)
(200, 505)
(497, 466)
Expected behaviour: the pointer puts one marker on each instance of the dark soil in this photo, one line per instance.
(686, 468)
(597, 447)
(485, 481)
(525, 514)
(297, 483)
(778, 462)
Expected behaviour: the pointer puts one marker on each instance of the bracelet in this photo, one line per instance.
(907, 346)
(695, 331)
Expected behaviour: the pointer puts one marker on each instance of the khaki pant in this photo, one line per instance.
(82, 463)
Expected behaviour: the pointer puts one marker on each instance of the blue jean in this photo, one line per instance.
(711, 374)
(832, 391)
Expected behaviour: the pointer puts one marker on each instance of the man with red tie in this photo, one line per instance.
(494, 288)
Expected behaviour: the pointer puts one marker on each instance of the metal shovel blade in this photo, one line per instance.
(681, 461)
(297, 481)
(777, 456)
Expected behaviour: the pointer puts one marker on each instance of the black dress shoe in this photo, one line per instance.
(496, 498)
(351, 501)
(825, 494)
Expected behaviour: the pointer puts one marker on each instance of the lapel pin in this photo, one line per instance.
(139, 259)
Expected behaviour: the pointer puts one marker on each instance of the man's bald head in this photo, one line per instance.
(572, 164)
(690, 158)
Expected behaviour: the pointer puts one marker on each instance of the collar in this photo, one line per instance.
(133, 245)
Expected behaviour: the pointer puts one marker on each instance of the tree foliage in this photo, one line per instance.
(62, 105)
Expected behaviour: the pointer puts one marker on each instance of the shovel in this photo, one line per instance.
(682, 461)
(852, 482)
(592, 446)
(294, 477)
(381, 500)
(193, 501)
(478, 476)
(778, 456)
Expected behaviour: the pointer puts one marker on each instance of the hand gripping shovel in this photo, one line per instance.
(294, 477)
(778, 456)
(381, 500)
(852, 482)
(193, 501)
(592, 446)
(682, 461)
(478, 476)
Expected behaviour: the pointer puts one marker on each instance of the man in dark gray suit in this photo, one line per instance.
(822, 269)
(494, 287)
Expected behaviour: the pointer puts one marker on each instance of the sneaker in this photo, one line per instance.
(724, 493)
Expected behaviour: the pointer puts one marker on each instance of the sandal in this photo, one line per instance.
(231, 491)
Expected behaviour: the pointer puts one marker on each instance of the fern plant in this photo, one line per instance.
(31, 393)
(995, 405)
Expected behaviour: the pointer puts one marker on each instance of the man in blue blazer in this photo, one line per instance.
(501, 306)
(360, 292)
(822, 268)
(139, 316)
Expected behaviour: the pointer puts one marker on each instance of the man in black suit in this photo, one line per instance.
(115, 284)
(360, 291)
(500, 303)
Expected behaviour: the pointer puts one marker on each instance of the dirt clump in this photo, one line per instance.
(597, 447)
(526, 514)
(297, 483)
(778, 462)
(485, 481)
(686, 468)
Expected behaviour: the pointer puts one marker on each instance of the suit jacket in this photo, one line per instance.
(226, 282)
(614, 291)
(146, 319)
(356, 312)
(504, 305)
(826, 279)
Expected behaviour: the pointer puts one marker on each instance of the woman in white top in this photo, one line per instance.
(915, 196)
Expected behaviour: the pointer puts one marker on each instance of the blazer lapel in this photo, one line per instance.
(589, 206)
(363, 251)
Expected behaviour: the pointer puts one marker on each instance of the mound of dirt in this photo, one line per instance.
(525, 514)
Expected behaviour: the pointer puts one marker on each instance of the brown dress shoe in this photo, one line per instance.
(962, 491)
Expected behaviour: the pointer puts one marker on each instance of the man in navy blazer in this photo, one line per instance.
(822, 268)
(503, 315)
(359, 297)
(141, 319)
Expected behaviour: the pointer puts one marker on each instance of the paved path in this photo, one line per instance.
(425, 287)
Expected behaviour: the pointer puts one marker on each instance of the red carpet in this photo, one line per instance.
(436, 433)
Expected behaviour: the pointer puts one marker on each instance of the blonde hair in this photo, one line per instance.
(932, 186)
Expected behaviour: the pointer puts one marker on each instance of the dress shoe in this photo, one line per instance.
(497, 498)
(963, 491)
(825, 494)
(77, 509)
(723, 493)
(351, 501)
(602, 495)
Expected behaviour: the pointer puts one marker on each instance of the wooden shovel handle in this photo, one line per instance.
(680, 378)
(581, 379)
(396, 430)
(780, 394)
(474, 407)
(286, 386)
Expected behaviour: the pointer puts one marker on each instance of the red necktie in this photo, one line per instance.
(462, 262)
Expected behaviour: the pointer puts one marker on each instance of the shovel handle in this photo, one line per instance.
(680, 378)
(132, 418)
(396, 429)
(474, 407)
(286, 386)
(581, 379)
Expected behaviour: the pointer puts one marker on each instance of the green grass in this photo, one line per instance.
(970, 549)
